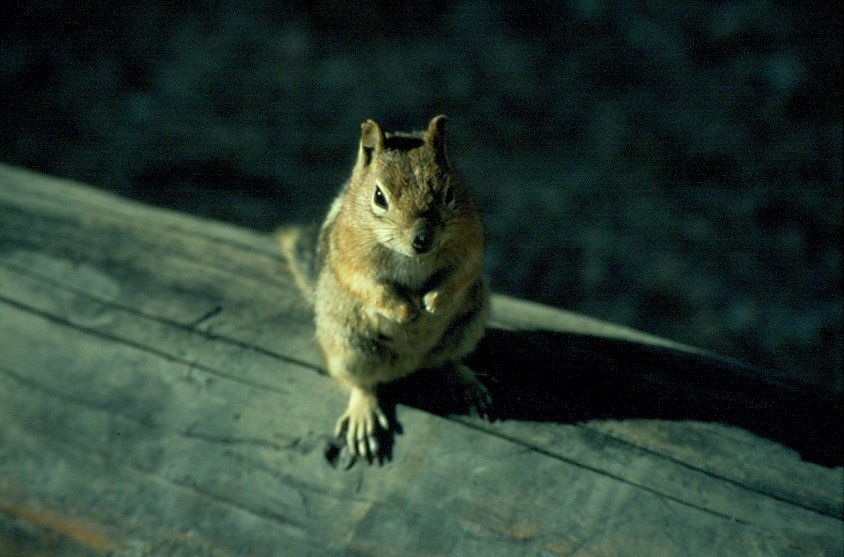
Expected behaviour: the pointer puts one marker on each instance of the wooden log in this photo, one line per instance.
(161, 394)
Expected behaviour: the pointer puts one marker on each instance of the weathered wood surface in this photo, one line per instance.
(161, 394)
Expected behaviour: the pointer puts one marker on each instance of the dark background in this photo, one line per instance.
(672, 166)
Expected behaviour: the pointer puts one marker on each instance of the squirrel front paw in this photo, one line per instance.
(399, 311)
(432, 301)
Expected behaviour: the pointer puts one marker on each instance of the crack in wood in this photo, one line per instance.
(142, 347)
(192, 433)
(712, 474)
(213, 312)
(174, 230)
(606, 473)
(113, 457)
(134, 311)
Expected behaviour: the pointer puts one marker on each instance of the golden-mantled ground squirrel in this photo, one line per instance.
(395, 278)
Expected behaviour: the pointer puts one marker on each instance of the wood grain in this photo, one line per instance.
(161, 394)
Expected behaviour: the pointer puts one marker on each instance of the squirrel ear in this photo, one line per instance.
(371, 141)
(435, 136)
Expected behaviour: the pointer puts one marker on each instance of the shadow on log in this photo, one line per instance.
(561, 377)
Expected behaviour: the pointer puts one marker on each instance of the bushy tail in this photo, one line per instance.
(299, 248)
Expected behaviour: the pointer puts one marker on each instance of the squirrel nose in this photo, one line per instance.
(423, 238)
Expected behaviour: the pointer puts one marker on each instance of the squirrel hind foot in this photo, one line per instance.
(470, 392)
(360, 422)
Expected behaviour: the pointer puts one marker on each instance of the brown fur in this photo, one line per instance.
(383, 309)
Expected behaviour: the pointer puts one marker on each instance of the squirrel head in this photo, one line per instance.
(405, 191)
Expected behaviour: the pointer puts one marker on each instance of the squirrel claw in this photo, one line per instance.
(359, 423)
(475, 395)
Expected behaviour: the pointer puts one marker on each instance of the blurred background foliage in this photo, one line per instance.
(672, 166)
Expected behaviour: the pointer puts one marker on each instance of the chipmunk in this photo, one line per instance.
(395, 277)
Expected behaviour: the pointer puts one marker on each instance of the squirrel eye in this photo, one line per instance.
(379, 198)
